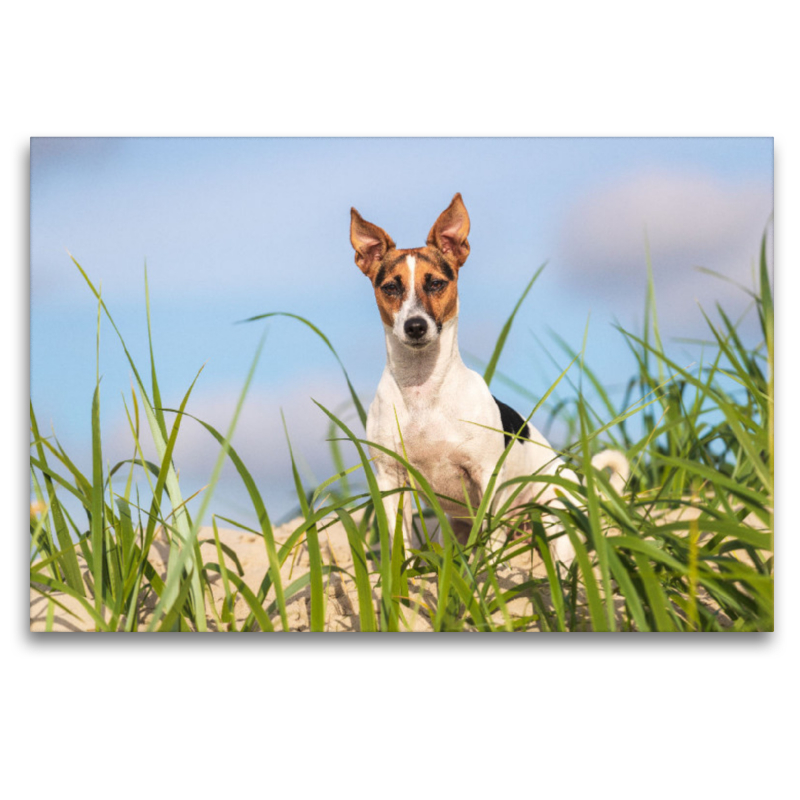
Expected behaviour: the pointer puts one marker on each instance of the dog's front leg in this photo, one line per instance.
(482, 477)
(561, 546)
(389, 480)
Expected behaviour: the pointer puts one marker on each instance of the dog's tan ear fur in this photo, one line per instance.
(370, 242)
(450, 231)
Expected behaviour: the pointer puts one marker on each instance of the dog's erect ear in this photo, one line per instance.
(449, 233)
(369, 241)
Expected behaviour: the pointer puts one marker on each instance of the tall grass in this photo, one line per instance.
(686, 546)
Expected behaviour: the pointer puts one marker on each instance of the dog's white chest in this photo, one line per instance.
(444, 436)
(446, 453)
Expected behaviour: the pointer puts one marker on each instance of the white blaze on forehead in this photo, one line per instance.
(411, 295)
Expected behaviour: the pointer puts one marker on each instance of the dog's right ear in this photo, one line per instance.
(369, 241)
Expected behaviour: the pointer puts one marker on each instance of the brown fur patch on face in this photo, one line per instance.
(391, 282)
(436, 285)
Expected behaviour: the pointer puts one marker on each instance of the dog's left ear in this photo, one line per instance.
(450, 231)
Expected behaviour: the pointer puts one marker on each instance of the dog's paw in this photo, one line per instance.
(563, 550)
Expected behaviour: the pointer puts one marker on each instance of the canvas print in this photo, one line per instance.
(401, 385)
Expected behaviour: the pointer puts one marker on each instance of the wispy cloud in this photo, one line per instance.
(259, 440)
(689, 220)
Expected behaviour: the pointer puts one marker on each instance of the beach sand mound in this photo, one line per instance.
(341, 607)
(341, 612)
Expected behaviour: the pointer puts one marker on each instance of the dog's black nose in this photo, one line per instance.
(415, 328)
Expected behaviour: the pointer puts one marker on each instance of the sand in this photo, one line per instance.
(342, 599)
(341, 614)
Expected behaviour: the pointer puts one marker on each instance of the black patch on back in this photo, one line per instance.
(512, 422)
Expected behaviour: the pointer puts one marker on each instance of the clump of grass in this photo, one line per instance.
(686, 546)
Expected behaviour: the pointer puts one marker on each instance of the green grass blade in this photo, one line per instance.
(184, 560)
(593, 379)
(501, 340)
(338, 463)
(98, 506)
(553, 579)
(341, 476)
(655, 594)
(68, 560)
(297, 585)
(317, 615)
(265, 524)
(366, 610)
(768, 325)
(228, 603)
(388, 605)
(359, 408)
(399, 578)
(596, 612)
(157, 404)
(81, 482)
(594, 519)
(173, 488)
(628, 589)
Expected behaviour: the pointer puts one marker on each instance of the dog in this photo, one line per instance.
(453, 430)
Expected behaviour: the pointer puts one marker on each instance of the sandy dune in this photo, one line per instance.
(341, 612)
(342, 599)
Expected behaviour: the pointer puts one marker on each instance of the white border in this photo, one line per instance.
(500, 715)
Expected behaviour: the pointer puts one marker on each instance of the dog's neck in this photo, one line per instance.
(421, 374)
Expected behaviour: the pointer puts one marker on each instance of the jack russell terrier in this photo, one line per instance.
(454, 431)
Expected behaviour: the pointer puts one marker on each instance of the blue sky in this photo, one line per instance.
(231, 228)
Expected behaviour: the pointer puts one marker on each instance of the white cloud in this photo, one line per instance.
(689, 220)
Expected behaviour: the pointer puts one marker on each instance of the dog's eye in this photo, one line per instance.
(390, 289)
(436, 285)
